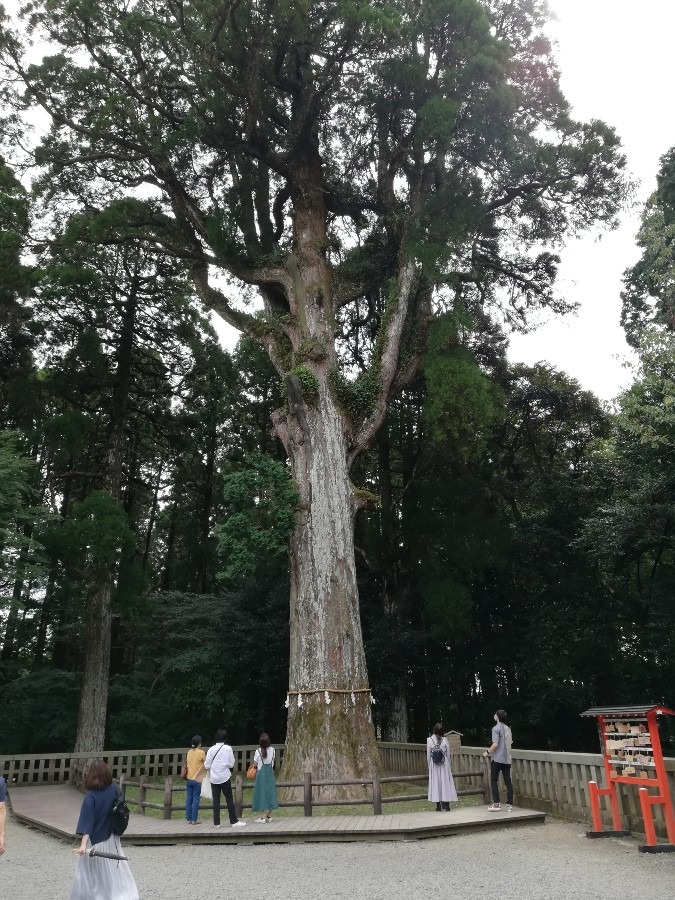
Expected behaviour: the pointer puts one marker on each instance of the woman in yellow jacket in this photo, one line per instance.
(193, 783)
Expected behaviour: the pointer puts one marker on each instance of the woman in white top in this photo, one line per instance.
(441, 783)
(265, 790)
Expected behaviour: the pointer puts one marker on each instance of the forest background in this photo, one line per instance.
(521, 553)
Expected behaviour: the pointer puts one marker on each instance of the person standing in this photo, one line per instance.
(3, 815)
(219, 763)
(441, 783)
(499, 754)
(193, 783)
(97, 878)
(265, 789)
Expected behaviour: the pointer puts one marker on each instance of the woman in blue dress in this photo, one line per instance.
(265, 790)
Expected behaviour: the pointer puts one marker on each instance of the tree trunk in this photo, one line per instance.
(91, 717)
(334, 740)
(396, 723)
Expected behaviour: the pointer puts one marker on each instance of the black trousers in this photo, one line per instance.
(505, 769)
(226, 788)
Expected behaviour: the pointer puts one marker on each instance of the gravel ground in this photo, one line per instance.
(550, 862)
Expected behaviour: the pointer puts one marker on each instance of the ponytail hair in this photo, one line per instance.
(196, 741)
(264, 744)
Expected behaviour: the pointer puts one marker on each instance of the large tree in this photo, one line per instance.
(649, 286)
(354, 164)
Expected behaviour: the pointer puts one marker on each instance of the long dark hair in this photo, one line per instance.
(438, 730)
(264, 744)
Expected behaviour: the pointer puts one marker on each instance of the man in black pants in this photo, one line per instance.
(500, 761)
(220, 762)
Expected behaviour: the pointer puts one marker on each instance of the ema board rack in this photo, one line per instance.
(631, 750)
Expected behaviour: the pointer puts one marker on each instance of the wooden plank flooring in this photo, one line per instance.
(55, 809)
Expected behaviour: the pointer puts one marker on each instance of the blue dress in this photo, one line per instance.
(265, 790)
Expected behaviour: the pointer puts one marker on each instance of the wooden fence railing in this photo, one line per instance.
(58, 768)
(556, 783)
(553, 782)
(372, 792)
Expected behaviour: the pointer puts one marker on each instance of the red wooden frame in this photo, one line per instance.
(642, 724)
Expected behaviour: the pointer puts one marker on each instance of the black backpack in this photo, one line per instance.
(437, 755)
(119, 814)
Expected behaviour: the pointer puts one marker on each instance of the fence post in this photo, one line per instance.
(168, 782)
(141, 794)
(239, 795)
(485, 765)
(123, 787)
(377, 794)
(308, 794)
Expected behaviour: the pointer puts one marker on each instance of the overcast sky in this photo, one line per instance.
(615, 58)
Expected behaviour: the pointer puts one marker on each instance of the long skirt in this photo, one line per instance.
(265, 790)
(97, 878)
(441, 783)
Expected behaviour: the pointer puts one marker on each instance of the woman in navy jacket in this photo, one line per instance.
(98, 878)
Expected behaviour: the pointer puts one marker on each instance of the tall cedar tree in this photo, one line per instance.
(349, 161)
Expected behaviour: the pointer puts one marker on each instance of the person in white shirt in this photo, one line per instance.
(219, 762)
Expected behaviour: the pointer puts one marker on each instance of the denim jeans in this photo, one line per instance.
(505, 769)
(226, 788)
(194, 790)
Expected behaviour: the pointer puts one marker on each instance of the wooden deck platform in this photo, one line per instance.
(55, 809)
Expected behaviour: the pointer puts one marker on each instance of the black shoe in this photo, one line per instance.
(438, 807)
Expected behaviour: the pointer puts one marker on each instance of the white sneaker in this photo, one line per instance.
(216, 826)
(238, 824)
(509, 807)
(494, 808)
(261, 819)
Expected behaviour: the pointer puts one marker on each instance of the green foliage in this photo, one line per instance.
(19, 513)
(355, 396)
(14, 221)
(448, 607)
(260, 509)
(647, 409)
(96, 533)
(39, 712)
(649, 286)
(17, 473)
(461, 402)
(309, 382)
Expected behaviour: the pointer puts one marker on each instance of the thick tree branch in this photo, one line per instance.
(387, 364)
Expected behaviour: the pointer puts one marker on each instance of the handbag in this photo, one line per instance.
(206, 792)
(252, 771)
(183, 770)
